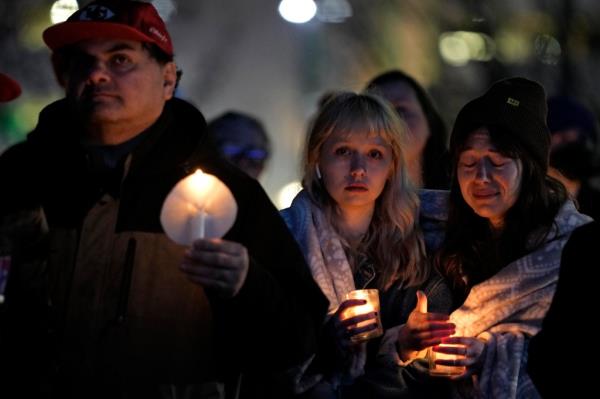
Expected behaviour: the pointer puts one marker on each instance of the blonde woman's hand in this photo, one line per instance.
(345, 329)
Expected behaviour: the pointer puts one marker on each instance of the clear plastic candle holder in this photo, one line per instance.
(372, 305)
(439, 370)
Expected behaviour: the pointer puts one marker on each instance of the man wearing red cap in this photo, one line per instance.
(132, 312)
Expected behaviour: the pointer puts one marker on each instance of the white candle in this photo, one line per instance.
(200, 186)
(198, 222)
(199, 206)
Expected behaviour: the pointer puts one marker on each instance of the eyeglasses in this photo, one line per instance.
(237, 152)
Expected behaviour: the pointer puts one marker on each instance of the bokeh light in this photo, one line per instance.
(287, 193)
(62, 9)
(297, 11)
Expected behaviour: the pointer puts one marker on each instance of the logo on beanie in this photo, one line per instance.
(513, 102)
(96, 13)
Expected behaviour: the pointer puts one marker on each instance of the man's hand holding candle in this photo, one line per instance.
(218, 265)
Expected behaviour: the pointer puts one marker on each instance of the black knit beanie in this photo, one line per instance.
(518, 107)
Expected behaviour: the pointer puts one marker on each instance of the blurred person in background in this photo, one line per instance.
(9, 88)
(574, 156)
(242, 140)
(23, 343)
(427, 146)
(575, 298)
(426, 149)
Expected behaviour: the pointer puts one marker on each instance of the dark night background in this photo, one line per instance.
(241, 54)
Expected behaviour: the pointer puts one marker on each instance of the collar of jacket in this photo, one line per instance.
(175, 144)
(169, 138)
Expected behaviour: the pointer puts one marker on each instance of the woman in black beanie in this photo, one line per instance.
(507, 224)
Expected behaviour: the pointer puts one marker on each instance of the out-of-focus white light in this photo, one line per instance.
(62, 9)
(287, 194)
(481, 46)
(334, 11)
(458, 48)
(297, 11)
(513, 47)
(453, 50)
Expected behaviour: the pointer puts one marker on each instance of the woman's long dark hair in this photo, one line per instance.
(472, 252)
(436, 160)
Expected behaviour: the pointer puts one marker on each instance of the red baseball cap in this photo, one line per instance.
(111, 19)
(9, 88)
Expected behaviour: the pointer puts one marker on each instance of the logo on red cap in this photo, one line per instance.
(158, 34)
(95, 13)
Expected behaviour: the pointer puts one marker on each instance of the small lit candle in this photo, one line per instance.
(197, 221)
(199, 206)
(360, 309)
(443, 370)
(200, 184)
(372, 305)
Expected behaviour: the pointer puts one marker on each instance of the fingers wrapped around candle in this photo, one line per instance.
(469, 351)
(218, 265)
(346, 323)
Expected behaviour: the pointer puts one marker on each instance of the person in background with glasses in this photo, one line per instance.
(242, 140)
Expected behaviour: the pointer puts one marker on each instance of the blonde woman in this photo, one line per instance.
(356, 223)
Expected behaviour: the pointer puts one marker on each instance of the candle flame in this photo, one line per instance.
(200, 185)
(199, 205)
(197, 177)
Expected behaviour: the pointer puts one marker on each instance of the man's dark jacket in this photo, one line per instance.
(119, 307)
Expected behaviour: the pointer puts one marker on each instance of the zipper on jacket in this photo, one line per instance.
(126, 280)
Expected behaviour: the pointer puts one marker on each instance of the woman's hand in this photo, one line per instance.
(218, 265)
(350, 356)
(345, 329)
(470, 351)
(422, 330)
